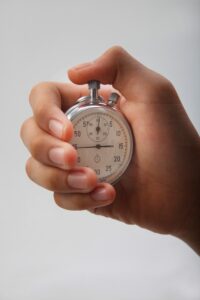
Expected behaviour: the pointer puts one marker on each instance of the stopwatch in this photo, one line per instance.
(102, 135)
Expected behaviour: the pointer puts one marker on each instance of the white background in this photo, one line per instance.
(49, 253)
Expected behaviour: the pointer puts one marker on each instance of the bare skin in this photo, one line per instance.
(160, 190)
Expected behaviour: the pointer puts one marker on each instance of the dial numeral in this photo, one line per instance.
(121, 146)
(86, 123)
(118, 132)
(117, 158)
(78, 159)
(77, 133)
(108, 168)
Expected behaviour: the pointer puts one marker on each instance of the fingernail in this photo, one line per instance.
(100, 194)
(82, 66)
(57, 156)
(77, 180)
(56, 128)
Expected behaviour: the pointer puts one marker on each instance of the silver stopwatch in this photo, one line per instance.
(102, 135)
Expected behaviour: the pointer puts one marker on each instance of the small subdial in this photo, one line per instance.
(98, 129)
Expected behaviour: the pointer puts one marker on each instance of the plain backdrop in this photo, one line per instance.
(47, 253)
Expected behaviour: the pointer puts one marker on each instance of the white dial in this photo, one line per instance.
(103, 141)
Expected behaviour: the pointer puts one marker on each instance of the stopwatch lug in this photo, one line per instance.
(113, 99)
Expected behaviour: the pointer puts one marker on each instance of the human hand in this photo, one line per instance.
(160, 189)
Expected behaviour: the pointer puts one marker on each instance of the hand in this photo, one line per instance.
(160, 189)
(53, 160)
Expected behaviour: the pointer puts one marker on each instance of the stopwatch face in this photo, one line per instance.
(103, 140)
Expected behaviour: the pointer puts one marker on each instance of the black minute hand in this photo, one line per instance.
(98, 146)
(98, 128)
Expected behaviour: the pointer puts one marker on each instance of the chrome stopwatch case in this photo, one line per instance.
(102, 135)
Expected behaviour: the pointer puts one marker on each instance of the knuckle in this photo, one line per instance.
(117, 51)
(35, 89)
(38, 89)
(165, 89)
(71, 201)
(58, 200)
(36, 146)
(80, 204)
(56, 182)
(165, 84)
(159, 87)
(24, 127)
(28, 168)
(83, 201)
(40, 112)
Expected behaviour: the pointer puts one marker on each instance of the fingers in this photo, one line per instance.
(75, 189)
(46, 148)
(48, 100)
(115, 67)
(43, 146)
(102, 195)
(81, 180)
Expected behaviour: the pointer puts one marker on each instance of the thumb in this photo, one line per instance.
(115, 66)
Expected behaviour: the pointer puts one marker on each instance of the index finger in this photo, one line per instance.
(49, 101)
